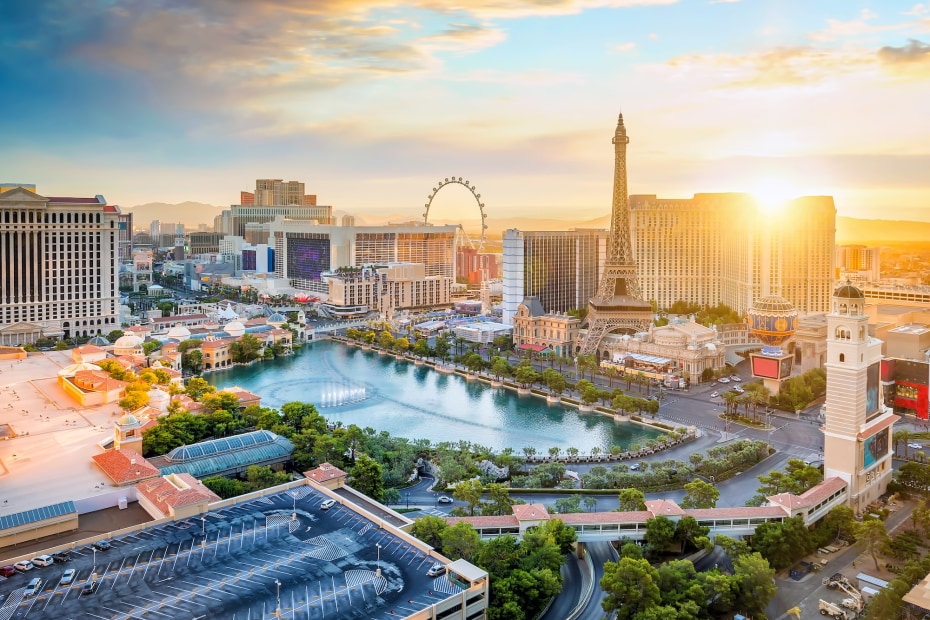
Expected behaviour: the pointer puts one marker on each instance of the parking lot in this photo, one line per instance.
(279, 553)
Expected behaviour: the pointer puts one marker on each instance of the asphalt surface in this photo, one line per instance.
(241, 562)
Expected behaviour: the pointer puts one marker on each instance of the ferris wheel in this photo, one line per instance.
(466, 240)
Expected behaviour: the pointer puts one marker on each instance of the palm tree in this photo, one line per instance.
(902, 436)
(729, 398)
(529, 451)
(595, 451)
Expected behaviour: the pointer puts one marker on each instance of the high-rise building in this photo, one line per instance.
(723, 248)
(304, 251)
(474, 267)
(155, 231)
(559, 268)
(58, 266)
(858, 428)
(858, 261)
(222, 223)
(617, 305)
(275, 198)
(125, 237)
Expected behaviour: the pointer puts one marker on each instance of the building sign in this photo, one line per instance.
(872, 401)
(875, 447)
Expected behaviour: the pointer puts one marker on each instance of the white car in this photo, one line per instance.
(435, 570)
(714, 394)
(735, 378)
(327, 504)
(915, 446)
(444, 499)
(43, 560)
(723, 380)
(23, 565)
(68, 577)
(738, 390)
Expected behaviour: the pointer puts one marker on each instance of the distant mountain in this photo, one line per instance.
(188, 213)
(852, 230)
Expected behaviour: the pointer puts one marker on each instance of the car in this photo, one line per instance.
(67, 578)
(444, 499)
(634, 467)
(723, 380)
(7, 571)
(33, 588)
(90, 587)
(102, 545)
(43, 560)
(714, 384)
(327, 504)
(915, 446)
(714, 394)
(435, 570)
(735, 378)
(62, 556)
(738, 390)
(24, 565)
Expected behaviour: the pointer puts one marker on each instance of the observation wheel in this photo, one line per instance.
(474, 192)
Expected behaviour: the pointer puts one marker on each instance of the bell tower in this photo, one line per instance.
(858, 427)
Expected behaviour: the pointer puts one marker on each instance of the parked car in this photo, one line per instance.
(435, 570)
(102, 545)
(444, 499)
(67, 578)
(738, 390)
(724, 380)
(33, 588)
(23, 565)
(714, 394)
(634, 467)
(62, 556)
(43, 560)
(735, 378)
(327, 504)
(7, 571)
(90, 587)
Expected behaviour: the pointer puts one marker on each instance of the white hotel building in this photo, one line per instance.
(58, 266)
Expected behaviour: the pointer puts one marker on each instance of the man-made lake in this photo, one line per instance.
(367, 389)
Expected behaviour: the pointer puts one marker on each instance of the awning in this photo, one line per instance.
(538, 348)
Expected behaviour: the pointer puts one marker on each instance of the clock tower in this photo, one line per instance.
(858, 427)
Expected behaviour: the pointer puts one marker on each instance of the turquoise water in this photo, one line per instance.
(364, 388)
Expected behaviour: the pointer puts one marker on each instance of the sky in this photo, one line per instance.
(372, 102)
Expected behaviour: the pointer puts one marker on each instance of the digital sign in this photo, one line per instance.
(766, 367)
(307, 258)
(871, 389)
(875, 448)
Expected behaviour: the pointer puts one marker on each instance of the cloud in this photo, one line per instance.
(914, 52)
(723, 1)
(625, 47)
(918, 10)
(837, 29)
(770, 68)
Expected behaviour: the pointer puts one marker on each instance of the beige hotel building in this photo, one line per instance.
(724, 248)
(58, 266)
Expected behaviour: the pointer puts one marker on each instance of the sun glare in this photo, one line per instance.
(772, 194)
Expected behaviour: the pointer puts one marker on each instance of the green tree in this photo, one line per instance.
(246, 349)
(873, 537)
(133, 400)
(755, 583)
(442, 348)
(525, 374)
(500, 501)
(631, 500)
(421, 348)
(469, 491)
(782, 543)
(262, 477)
(500, 367)
(401, 345)
(460, 541)
(197, 387)
(429, 529)
(700, 494)
(630, 588)
(365, 477)
(689, 533)
(226, 487)
(660, 534)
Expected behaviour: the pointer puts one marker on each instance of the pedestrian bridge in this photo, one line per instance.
(609, 526)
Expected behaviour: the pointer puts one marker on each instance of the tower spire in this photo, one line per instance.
(616, 305)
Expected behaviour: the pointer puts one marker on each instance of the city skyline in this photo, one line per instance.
(371, 102)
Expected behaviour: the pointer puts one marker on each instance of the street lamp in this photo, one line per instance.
(378, 570)
(407, 496)
(277, 611)
(203, 530)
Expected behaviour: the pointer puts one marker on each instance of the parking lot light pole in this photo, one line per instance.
(277, 611)
(378, 570)
(203, 530)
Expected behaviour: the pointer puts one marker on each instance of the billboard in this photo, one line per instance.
(307, 258)
(875, 447)
(766, 367)
(872, 401)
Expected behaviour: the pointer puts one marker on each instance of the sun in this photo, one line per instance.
(771, 194)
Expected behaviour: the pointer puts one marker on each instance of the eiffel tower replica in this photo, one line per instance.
(617, 306)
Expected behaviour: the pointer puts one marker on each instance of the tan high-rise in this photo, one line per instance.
(722, 248)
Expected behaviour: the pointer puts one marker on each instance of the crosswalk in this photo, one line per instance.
(11, 603)
(362, 577)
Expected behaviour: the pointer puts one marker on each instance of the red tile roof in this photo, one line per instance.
(869, 432)
(179, 318)
(737, 512)
(89, 348)
(823, 490)
(489, 521)
(96, 381)
(125, 466)
(217, 344)
(175, 491)
(530, 512)
(664, 507)
(324, 473)
(640, 516)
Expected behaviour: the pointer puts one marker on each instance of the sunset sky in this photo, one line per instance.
(370, 102)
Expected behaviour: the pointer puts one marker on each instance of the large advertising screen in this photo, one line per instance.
(875, 448)
(764, 367)
(871, 389)
(307, 258)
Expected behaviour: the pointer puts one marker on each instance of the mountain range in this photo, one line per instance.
(848, 229)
